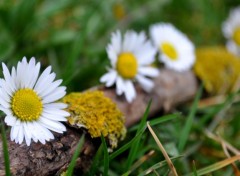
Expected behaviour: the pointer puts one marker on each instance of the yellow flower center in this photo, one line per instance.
(169, 50)
(127, 65)
(26, 105)
(236, 36)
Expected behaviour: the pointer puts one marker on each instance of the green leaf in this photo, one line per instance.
(135, 144)
(5, 151)
(71, 166)
(96, 161)
(188, 125)
(106, 156)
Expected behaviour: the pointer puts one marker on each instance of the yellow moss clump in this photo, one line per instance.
(98, 114)
(218, 69)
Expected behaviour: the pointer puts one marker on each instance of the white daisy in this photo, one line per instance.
(231, 30)
(130, 58)
(176, 51)
(28, 100)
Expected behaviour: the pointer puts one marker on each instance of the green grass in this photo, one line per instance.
(72, 37)
(72, 164)
(5, 150)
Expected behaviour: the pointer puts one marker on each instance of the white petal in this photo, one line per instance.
(120, 86)
(130, 92)
(45, 73)
(4, 95)
(33, 128)
(145, 54)
(10, 120)
(146, 83)
(43, 133)
(48, 135)
(57, 112)
(54, 117)
(116, 41)
(20, 135)
(38, 133)
(44, 83)
(129, 41)
(21, 73)
(112, 54)
(109, 78)
(51, 88)
(5, 110)
(6, 88)
(14, 76)
(148, 71)
(27, 133)
(56, 105)
(4, 104)
(8, 77)
(14, 130)
(34, 75)
(27, 130)
(59, 93)
(52, 125)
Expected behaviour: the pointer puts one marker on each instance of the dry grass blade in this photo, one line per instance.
(216, 166)
(236, 171)
(226, 148)
(219, 139)
(171, 166)
(139, 162)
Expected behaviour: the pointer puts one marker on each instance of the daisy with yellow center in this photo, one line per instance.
(176, 51)
(130, 57)
(28, 100)
(231, 31)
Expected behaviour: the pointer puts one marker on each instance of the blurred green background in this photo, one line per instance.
(72, 35)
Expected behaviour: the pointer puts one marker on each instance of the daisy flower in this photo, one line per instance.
(28, 100)
(130, 57)
(176, 51)
(231, 31)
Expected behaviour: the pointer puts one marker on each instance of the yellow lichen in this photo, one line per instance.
(218, 69)
(98, 114)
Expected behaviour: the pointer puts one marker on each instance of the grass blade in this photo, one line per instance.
(216, 166)
(158, 120)
(137, 164)
(135, 144)
(126, 146)
(157, 166)
(152, 123)
(186, 130)
(217, 109)
(5, 151)
(96, 160)
(169, 162)
(194, 169)
(71, 166)
(106, 156)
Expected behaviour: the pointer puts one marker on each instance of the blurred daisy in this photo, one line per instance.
(231, 30)
(130, 59)
(28, 99)
(176, 50)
